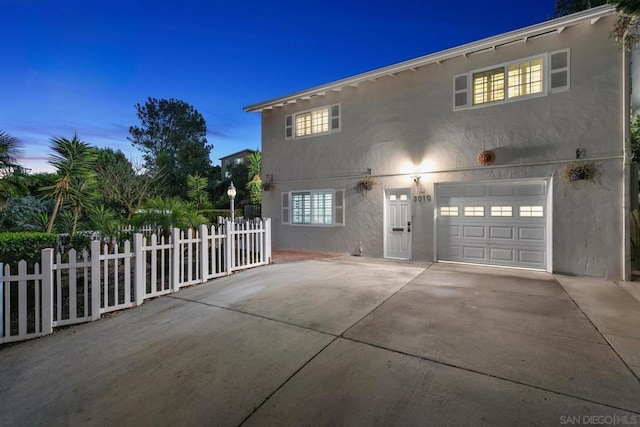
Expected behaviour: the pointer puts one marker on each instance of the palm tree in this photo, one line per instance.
(254, 166)
(73, 160)
(82, 195)
(197, 190)
(12, 177)
(9, 150)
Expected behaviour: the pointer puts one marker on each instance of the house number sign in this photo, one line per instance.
(422, 199)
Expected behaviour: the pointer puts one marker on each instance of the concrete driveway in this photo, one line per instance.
(344, 341)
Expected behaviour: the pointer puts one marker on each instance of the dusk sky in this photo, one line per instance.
(81, 65)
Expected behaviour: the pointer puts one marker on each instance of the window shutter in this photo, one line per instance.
(288, 127)
(285, 208)
(335, 117)
(339, 208)
(559, 70)
(460, 91)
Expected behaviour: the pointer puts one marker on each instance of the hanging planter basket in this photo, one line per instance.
(486, 158)
(580, 171)
(365, 185)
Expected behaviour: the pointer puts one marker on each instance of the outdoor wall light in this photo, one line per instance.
(416, 179)
(231, 192)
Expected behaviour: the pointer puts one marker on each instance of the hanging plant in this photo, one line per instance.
(486, 157)
(575, 172)
(365, 184)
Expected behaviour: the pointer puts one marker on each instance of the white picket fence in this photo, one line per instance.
(112, 277)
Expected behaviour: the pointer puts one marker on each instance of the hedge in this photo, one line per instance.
(213, 214)
(24, 245)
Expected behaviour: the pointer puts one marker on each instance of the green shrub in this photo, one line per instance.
(213, 214)
(25, 245)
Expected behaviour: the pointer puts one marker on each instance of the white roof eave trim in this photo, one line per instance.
(556, 25)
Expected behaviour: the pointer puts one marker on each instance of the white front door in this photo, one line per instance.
(397, 241)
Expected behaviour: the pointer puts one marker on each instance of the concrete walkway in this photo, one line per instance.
(343, 341)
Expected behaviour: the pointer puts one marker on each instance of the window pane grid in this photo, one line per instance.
(531, 211)
(525, 78)
(488, 86)
(501, 211)
(312, 207)
(449, 211)
(474, 211)
(508, 81)
(312, 122)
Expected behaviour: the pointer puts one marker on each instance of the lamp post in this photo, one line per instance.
(231, 192)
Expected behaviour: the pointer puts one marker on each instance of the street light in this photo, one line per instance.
(231, 192)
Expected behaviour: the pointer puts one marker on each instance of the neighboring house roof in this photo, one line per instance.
(242, 153)
(554, 26)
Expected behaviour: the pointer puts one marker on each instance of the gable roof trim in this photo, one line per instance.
(555, 26)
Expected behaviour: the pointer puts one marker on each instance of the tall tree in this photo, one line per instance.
(172, 135)
(629, 7)
(567, 7)
(13, 179)
(74, 161)
(626, 31)
(125, 187)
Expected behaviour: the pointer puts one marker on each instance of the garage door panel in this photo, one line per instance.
(474, 231)
(496, 223)
(451, 230)
(474, 191)
(536, 234)
(474, 252)
(532, 189)
(534, 257)
(501, 190)
(450, 191)
(501, 232)
(451, 252)
(502, 254)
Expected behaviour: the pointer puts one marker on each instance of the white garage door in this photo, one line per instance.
(495, 223)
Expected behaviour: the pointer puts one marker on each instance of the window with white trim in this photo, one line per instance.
(523, 78)
(528, 77)
(312, 122)
(313, 207)
(488, 86)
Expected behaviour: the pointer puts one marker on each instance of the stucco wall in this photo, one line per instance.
(398, 125)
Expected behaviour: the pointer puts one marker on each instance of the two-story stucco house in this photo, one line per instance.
(525, 102)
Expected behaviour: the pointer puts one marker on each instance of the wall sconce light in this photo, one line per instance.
(416, 179)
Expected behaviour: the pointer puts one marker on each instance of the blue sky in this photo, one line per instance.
(81, 65)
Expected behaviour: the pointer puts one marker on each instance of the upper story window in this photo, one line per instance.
(313, 122)
(488, 86)
(525, 78)
(534, 76)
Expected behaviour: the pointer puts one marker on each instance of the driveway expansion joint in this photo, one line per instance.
(260, 316)
(450, 365)
(604, 337)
